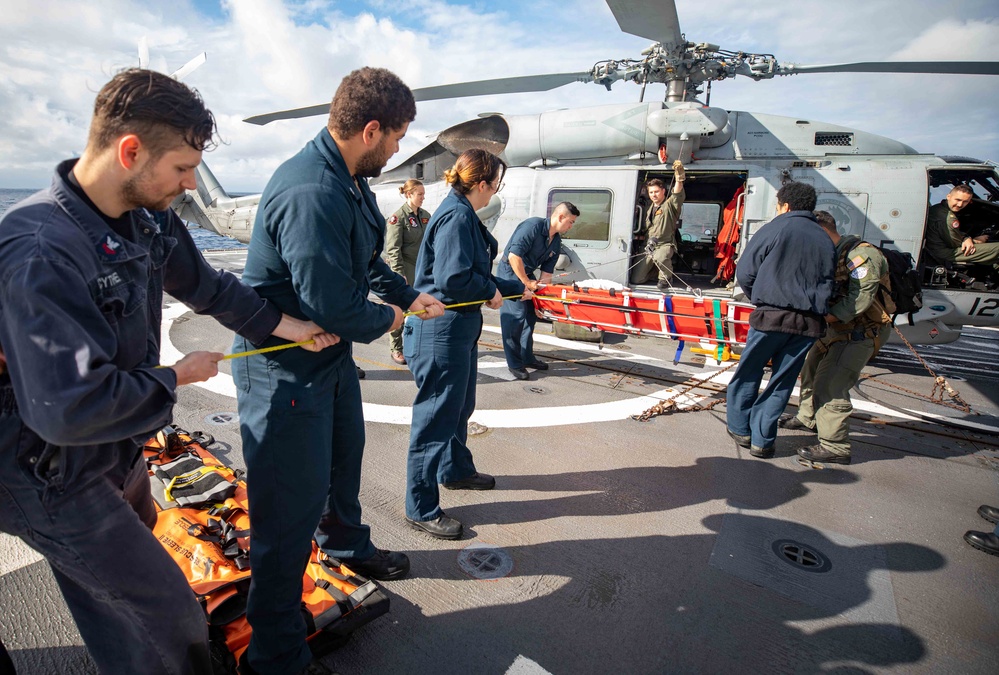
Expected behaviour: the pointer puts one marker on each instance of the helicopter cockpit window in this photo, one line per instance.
(594, 207)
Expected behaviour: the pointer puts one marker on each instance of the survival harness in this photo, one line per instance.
(866, 326)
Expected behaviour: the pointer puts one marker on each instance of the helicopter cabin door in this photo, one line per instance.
(601, 237)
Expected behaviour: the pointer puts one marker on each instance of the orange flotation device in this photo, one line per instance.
(728, 237)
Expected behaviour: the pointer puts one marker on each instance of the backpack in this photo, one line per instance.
(906, 290)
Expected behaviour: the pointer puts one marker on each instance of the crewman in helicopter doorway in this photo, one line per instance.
(660, 226)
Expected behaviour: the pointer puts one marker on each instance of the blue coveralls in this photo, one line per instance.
(517, 317)
(315, 247)
(454, 266)
(80, 310)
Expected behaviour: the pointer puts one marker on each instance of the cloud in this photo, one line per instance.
(267, 55)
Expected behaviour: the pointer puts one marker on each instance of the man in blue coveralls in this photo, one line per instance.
(83, 268)
(535, 244)
(315, 253)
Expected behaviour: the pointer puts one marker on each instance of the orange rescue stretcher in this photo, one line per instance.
(717, 322)
(203, 522)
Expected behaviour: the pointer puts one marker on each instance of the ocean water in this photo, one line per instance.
(203, 238)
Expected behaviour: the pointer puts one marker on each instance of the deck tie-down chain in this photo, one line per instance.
(940, 384)
(669, 405)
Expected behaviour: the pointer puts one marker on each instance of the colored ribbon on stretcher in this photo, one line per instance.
(718, 322)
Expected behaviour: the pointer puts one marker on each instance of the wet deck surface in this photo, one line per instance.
(611, 545)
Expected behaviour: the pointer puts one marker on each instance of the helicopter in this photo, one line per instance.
(600, 158)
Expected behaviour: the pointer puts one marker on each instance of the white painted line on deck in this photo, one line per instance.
(519, 418)
(524, 666)
(15, 554)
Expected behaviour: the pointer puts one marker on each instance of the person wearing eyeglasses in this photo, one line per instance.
(535, 245)
(454, 266)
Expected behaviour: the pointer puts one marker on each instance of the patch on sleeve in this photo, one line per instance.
(424, 220)
(855, 262)
(393, 219)
(859, 273)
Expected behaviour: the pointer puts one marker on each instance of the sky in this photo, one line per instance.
(266, 55)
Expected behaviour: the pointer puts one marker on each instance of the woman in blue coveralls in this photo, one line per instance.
(454, 266)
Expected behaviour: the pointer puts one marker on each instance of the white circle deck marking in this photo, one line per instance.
(516, 418)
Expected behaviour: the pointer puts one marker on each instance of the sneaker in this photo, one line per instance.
(383, 565)
(538, 365)
(789, 421)
(520, 373)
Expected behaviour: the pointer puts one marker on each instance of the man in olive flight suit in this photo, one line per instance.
(660, 225)
(858, 323)
(948, 234)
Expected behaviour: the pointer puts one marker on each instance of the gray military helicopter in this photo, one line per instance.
(600, 157)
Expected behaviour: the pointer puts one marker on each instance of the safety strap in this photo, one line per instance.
(672, 329)
(343, 601)
(225, 536)
(332, 567)
(719, 328)
(204, 486)
(189, 481)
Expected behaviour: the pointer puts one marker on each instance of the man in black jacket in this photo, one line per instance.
(787, 271)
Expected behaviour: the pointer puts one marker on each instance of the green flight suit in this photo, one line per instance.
(660, 226)
(833, 365)
(403, 236)
(944, 234)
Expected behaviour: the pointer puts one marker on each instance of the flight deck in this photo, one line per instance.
(613, 545)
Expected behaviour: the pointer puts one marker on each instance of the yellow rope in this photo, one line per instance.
(239, 355)
(465, 304)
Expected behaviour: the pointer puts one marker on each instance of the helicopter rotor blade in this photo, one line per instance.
(650, 19)
(503, 85)
(939, 67)
(189, 67)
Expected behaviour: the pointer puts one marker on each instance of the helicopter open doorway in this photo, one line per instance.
(979, 218)
(713, 200)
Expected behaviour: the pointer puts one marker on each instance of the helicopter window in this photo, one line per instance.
(700, 221)
(833, 138)
(593, 223)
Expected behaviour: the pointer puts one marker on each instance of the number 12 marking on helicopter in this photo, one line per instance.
(988, 307)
